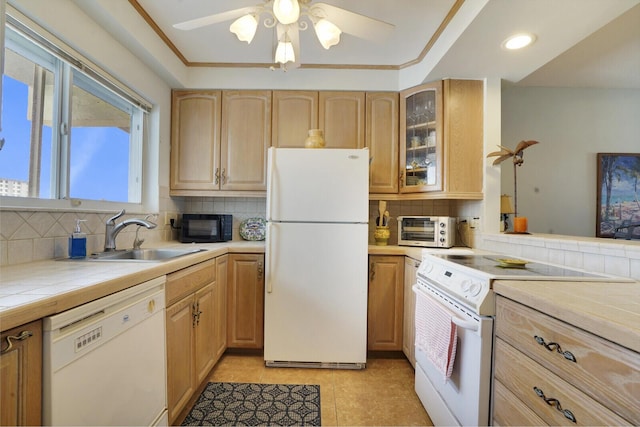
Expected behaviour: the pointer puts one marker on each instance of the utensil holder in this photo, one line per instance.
(381, 235)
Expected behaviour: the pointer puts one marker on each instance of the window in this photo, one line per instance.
(68, 134)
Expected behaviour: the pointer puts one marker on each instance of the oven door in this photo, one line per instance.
(464, 398)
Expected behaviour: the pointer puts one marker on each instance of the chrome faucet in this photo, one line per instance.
(112, 229)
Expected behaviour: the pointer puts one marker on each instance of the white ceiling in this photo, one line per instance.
(588, 43)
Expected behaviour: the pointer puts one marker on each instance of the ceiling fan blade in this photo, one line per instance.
(353, 23)
(213, 19)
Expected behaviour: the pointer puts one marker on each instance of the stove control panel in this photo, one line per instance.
(472, 290)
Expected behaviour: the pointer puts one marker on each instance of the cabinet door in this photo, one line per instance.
(294, 113)
(464, 138)
(204, 348)
(385, 310)
(382, 141)
(245, 138)
(195, 133)
(341, 117)
(220, 313)
(409, 326)
(180, 360)
(21, 376)
(421, 138)
(245, 297)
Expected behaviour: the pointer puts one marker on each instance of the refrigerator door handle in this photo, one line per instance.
(270, 256)
(271, 172)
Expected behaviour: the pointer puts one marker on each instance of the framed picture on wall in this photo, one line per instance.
(618, 195)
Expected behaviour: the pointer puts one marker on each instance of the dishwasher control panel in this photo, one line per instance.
(90, 337)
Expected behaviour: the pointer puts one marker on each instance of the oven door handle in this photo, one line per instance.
(465, 324)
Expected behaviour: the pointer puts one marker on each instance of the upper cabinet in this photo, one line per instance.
(219, 141)
(245, 139)
(294, 113)
(441, 139)
(195, 140)
(381, 137)
(341, 117)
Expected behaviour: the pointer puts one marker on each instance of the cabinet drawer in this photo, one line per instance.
(605, 371)
(189, 280)
(522, 376)
(508, 410)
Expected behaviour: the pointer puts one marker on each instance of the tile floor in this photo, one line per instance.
(380, 395)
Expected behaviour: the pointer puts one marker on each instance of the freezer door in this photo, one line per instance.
(318, 185)
(316, 293)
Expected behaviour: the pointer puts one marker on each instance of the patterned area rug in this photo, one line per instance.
(239, 404)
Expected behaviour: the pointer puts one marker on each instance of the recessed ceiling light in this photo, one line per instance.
(518, 41)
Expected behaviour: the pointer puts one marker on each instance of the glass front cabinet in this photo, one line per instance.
(441, 140)
(421, 139)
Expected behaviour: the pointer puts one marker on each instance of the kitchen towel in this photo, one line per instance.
(436, 334)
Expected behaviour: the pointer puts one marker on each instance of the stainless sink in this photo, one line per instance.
(142, 255)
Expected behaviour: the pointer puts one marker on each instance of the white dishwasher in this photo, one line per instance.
(105, 361)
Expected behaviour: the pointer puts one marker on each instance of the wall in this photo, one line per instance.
(557, 182)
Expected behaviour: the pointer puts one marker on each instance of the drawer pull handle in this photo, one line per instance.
(555, 402)
(23, 336)
(555, 346)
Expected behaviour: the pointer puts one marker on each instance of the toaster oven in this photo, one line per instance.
(426, 231)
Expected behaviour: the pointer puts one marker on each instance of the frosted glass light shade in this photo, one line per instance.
(244, 28)
(284, 52)
(328, 33)
(286, 11)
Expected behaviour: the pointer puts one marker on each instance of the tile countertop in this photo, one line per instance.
(609, 310)
(38, 289)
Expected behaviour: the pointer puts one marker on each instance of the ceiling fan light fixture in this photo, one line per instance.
(327, 32)
(244, 28)
(286, 11)
(518, 41)
(284, 51)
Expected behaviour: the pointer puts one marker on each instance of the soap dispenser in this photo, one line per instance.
(78, 242)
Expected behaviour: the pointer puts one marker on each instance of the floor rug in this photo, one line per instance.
(243, 404)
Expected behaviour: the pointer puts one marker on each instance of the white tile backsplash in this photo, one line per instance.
(613, 257)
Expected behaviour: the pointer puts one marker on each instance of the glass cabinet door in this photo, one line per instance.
(421, 150)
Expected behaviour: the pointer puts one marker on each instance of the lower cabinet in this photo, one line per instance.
(409, 322)
(245, 301)
(21, 375)
(190, 323)
(385, 305)
(220, 310)
(551, 371)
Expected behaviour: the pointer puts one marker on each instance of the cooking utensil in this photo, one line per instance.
(382, 207)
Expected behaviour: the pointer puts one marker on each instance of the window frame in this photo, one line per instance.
(98, 83)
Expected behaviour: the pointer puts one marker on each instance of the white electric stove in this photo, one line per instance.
(461, 283)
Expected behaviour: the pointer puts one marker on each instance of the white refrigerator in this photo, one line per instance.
(316, 258)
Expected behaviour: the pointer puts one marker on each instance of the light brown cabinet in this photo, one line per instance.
(245, 301)
(219, 142)
(409, 321)
(195, 140)
(190, 328)
(341, 116)
(220, 309)
(21, 375)
(245, 139)
(381, 137)
(294, 113)
(385, 303)
(441, 139)
(539, 358)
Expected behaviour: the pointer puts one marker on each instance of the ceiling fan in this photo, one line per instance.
(286, 16)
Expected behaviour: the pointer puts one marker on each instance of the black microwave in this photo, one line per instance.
(206, 228)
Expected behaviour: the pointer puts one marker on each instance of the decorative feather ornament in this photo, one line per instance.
(518, 160)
